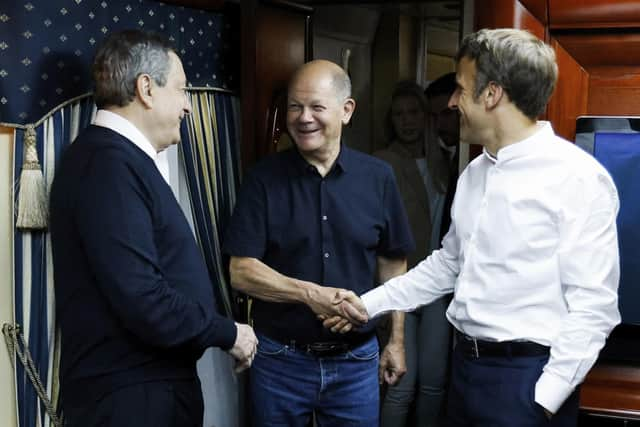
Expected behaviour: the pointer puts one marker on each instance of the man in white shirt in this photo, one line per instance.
(531, 254)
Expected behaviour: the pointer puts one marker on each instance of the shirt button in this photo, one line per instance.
(324, 217)
(326, 254)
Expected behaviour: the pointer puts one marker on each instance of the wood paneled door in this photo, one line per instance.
(276, 39)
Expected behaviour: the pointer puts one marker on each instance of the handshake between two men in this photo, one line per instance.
(345, 312)
(341, 310)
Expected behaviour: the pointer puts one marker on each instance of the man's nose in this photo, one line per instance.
(305, 115)
(186, 107)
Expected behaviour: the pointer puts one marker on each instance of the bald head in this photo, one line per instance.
(319, 71)
(318, 105)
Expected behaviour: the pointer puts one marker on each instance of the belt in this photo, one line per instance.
(474, 348)
(326, 348)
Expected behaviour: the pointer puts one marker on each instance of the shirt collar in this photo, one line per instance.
(523, 147)
(342, 163)
(117, 123)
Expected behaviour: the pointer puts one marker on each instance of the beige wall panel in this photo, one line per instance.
(7, 403)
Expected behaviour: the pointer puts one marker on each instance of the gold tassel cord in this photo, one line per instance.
(32, 195)
(18, 347)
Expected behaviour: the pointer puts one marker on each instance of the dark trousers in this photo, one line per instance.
(499, 392)
(169, 403)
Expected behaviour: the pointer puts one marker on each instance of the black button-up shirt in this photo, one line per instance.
(328, 230)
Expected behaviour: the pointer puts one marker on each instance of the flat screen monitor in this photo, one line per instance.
(615, 142)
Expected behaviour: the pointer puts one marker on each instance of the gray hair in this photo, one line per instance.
(122, 58)
(516, 60)
(341, 84)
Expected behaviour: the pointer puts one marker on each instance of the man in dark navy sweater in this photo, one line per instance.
(134, 301)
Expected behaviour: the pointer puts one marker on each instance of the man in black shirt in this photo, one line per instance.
(309, 221)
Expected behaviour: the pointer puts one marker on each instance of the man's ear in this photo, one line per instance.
(144, 90)
(348, 108)
(493, 95)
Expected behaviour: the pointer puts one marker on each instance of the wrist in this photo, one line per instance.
(396, 339)
(307, 291)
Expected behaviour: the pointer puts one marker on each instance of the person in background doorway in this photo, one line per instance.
(310, 221)
(444, 124)
(532, 251)
(134, 301)
(422, 166)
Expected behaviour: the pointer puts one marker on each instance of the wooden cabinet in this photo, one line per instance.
(612, 390)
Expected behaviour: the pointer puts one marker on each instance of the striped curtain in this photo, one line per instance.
(33, 269)
(211, 159)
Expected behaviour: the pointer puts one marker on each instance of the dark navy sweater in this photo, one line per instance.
(134, 300)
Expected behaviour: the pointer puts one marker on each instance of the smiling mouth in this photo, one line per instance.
(307, 131)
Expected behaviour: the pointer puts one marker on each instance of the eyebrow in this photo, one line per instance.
(311, 102)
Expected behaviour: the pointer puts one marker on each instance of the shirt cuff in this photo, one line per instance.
(222, 334)
(374, 301)
(551, 392)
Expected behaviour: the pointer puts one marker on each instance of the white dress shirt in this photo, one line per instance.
(532, 254)
(118, 124)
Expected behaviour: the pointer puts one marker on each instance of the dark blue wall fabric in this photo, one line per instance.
(47, 46)
(619, 153)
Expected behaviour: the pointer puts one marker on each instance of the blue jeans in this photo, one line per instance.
(288, 385)
(428, 342)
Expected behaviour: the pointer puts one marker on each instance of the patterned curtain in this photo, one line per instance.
(211, 160)
(33, 269)
(47, 46)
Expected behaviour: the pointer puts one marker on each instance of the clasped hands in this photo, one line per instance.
(340, 310)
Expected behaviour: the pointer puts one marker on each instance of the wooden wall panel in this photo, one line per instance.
(569, 100)
(603, 49)
(614, 91)
(538, 8)
(594, 13)
(508, 14)
(523, 19)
